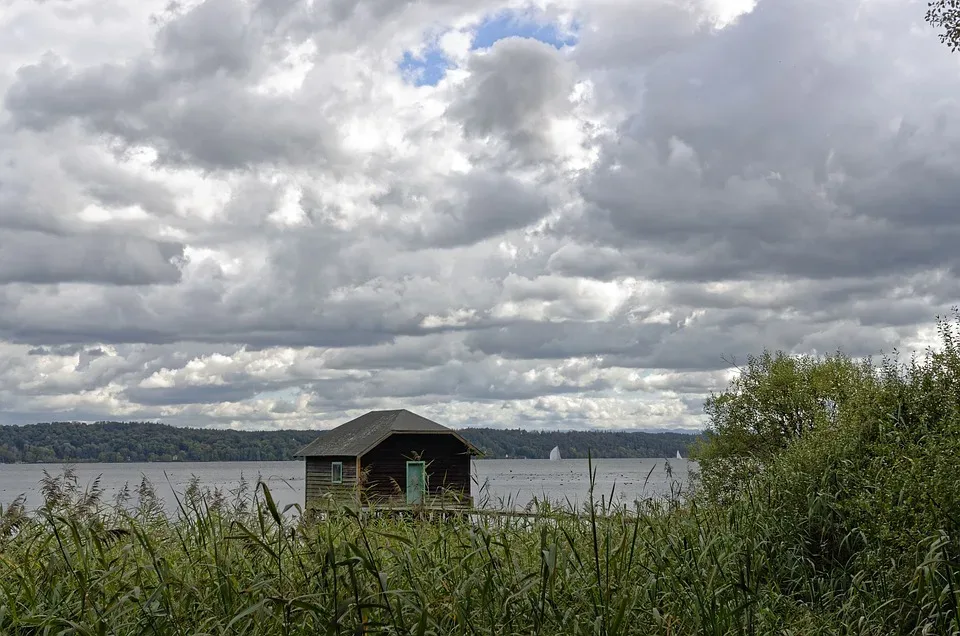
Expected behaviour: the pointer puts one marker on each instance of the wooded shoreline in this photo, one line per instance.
(129, 442)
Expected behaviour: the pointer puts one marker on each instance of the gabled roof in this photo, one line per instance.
(359, 435)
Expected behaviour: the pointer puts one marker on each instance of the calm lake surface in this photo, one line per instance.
(497, 482)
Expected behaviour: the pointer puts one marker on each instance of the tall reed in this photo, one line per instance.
(240, 565)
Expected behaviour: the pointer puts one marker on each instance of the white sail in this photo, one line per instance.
(678, 455)
(555, 453)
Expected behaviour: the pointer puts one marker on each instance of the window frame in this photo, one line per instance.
(334, 478)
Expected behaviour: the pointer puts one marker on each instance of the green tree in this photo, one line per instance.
(774, 400)
(880, 484)
(944, 15)
(858, 459)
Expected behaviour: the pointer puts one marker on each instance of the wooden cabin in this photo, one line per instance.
(391, 459)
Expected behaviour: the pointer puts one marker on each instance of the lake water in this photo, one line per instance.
(497, 482)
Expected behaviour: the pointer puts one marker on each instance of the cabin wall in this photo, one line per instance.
(384, 468)
(317, 478)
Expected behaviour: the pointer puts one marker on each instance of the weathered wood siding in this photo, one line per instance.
(384, 468)
(317, 478)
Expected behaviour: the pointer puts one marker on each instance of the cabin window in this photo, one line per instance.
(336, 472)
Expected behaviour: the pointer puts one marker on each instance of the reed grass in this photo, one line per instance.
(233, 563)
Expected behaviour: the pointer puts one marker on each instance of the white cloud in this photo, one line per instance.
(243, 215)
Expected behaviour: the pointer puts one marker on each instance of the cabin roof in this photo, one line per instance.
(361, 434)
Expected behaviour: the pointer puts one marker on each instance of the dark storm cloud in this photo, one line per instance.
(27, 200)
(465, 381)
(204, 394)
(267, 315)
(703, 344)
(127, 332)
(678, 229)
(214, 123)
(486, 205)
(559, 340)
(214, 36)
(597, 262)
(630, 36)
(31, 257)
(800, 161)
(60, 350)
(114, 188)
(889, 301)
(512, 92)
(86, 356)
(410, 353)
(711, 343)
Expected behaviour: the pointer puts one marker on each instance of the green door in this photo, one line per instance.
(416, 482)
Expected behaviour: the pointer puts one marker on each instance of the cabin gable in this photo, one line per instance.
(384, 467)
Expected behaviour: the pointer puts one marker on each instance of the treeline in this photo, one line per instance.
(153, 442)
(143, 442)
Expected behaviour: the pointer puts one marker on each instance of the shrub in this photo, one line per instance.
(774, 401)
(856, 466)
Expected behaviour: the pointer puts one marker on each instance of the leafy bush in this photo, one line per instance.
(774, 401)
(856, 465)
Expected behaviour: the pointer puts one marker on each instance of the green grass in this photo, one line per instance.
(235, 564)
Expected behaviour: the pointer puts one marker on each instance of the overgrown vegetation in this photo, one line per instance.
(829, 504)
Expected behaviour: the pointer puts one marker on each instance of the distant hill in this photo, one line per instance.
(153, 442)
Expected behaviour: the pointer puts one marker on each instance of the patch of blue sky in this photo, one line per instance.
(430, 66)
(512, 24)
(426, 69)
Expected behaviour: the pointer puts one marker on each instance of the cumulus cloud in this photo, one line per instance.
(515, 91)
(248, 214)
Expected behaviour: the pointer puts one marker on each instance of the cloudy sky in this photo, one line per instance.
(557, 214)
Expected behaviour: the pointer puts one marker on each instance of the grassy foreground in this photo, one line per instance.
(237, 565)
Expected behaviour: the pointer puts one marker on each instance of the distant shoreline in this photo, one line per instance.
(146, 442)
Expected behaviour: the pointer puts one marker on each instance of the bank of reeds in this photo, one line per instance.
(236, 564)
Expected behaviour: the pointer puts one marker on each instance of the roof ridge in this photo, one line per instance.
(356, 436)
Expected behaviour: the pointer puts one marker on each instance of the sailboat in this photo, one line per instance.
(555, 453)
(678, 455)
